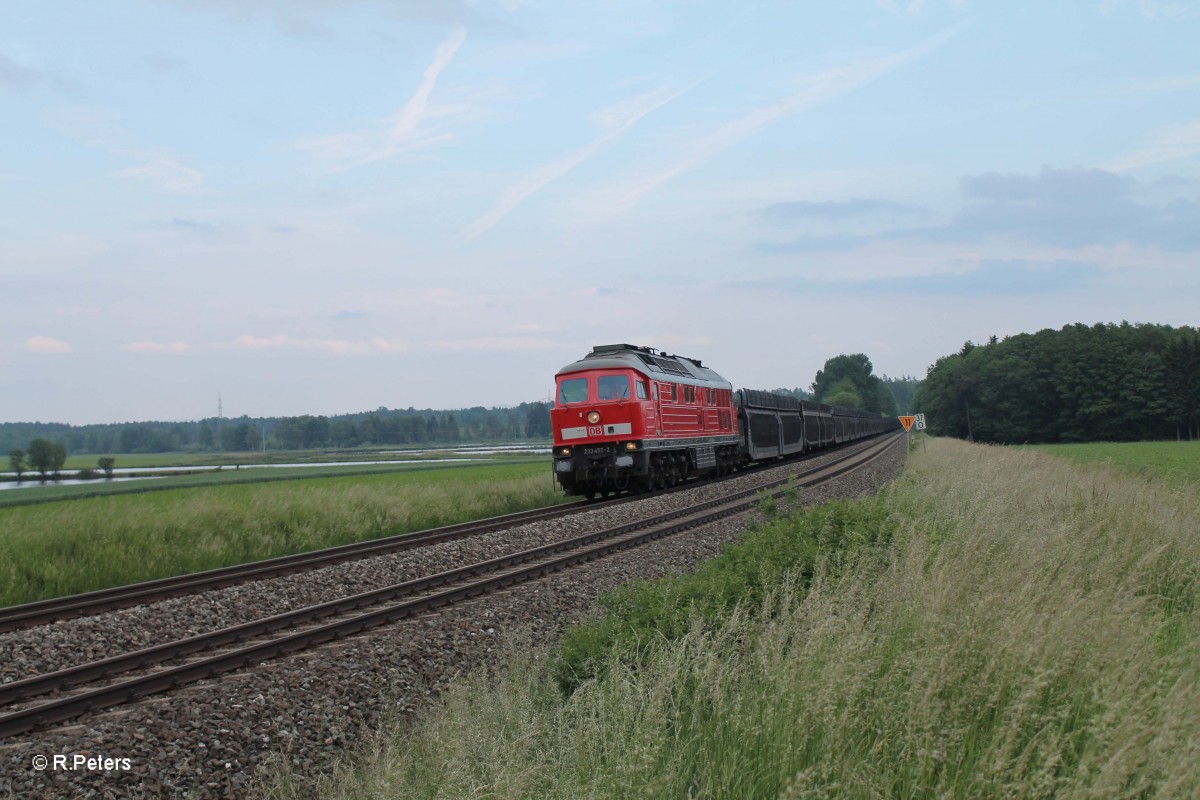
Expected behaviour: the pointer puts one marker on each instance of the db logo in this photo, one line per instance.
(595, 430)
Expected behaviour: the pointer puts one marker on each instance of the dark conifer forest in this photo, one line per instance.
(1099, 383)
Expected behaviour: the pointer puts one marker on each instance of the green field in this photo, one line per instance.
(52, 491)
(68, 546)
(1174, 461)
(998, 624)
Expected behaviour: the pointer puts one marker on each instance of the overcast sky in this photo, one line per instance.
(322, 207)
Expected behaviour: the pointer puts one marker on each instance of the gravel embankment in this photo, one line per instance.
(210, 739)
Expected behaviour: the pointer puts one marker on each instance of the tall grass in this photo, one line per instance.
(74, 546)
(1030, 630)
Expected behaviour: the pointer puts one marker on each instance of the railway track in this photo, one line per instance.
(47, 611)
(40, 701)
(44, 612)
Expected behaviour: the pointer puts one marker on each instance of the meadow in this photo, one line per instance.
(997, 624)
(69, 546)
(1175, 461)
(35, 492)
(189, 459)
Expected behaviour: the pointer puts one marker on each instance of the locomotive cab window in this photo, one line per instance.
(573, 390)
(641, 390)
(613, 387)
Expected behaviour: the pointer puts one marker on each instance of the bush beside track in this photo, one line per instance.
(744, 574)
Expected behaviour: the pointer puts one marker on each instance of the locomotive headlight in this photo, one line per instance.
(563, 451)
(631, 445)
(593, 417)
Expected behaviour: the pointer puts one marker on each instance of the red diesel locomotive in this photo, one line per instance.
(630, 418)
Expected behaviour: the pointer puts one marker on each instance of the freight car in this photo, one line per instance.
(630, 418)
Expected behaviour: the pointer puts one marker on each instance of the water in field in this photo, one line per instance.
(34, 483)
(481, 450)
(465, 453)
(8, 479)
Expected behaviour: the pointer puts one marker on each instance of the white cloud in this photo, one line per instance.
(618, 119)
(380, 346)
(47, 344)
(404, 129)
(100, 128)
(337, 347)
(159, 348)
(1169, 144)
(168, 171)
(1154, 9)
(485, 344)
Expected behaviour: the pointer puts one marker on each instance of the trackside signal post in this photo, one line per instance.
(914, 421)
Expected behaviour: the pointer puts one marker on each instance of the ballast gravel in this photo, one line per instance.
(304, 712)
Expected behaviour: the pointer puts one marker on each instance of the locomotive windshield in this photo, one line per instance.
(613, 387)
(573, 390)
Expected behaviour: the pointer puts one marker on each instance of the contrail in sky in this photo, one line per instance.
(404, 128)
(414, 110)
(819, 88)
(516, 194)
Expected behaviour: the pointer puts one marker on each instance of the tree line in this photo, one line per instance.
(380, 427)
(845, 380)
(42, 456)
(47, 458)
(850, 380)
(1105, 382)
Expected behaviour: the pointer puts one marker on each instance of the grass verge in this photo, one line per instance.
(66, 547)
(997, 624)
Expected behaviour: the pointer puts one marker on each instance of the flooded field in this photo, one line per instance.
(465, 454)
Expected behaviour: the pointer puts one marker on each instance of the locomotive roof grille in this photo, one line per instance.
(653, 358)
(664, 365)
(614, 356)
